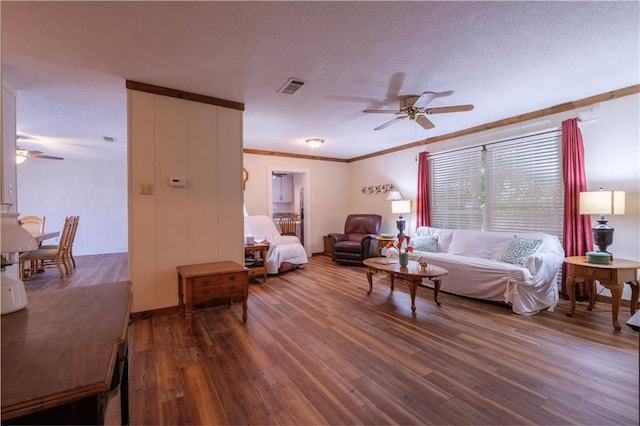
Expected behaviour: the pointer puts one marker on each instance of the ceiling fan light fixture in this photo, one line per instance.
(20, 158)
(314, 142)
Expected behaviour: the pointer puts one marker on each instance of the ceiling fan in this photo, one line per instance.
(26, 153)
(415, 108)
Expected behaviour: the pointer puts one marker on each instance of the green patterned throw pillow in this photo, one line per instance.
(428, 244)
(518, 249)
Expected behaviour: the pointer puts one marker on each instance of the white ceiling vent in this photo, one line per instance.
(291, 86)
(109, 139)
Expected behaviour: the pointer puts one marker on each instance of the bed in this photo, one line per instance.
(285, 251)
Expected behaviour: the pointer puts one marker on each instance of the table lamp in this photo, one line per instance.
(14, 239)
(400, 207)
(601, 203)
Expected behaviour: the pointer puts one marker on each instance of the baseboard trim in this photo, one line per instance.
(170, 310)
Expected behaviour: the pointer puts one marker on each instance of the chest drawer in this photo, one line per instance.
(592, 273)
(235, 277)
(205, 282)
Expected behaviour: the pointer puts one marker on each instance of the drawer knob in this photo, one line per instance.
(206, 282)
(232, 278)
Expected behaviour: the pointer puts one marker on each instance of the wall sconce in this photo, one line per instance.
(400, 207)
(314, 142)
(601, 203)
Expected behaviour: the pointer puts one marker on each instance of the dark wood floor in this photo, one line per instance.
(317, 350)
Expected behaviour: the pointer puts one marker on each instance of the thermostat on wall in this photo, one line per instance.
(178, 181)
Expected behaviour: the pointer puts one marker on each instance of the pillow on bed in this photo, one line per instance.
(428, 244)
(518, 249)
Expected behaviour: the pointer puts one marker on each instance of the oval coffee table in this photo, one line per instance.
(413, 274)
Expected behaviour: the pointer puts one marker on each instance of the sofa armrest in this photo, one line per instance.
(543, 266)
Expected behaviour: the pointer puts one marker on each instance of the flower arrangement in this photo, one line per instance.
(401, 244)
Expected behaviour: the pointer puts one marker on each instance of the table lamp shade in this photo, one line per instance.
(15, 238)
(401, 206)
(602, 202)
(394, 195)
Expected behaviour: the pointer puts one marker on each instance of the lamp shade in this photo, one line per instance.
(602, 202)
(401, 206)
(14, 237)
(394, 195)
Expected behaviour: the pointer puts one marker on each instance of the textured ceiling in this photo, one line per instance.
(69, 61)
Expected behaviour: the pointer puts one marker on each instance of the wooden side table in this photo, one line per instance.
(612, 276)
(208, 281)
(261, 249)
(382, 243)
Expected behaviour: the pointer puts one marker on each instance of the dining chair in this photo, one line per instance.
(287, 225)
(68, 258)
(48, 257)
(33, 224)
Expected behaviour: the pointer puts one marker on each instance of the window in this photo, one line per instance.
(524, 185)
(513, 185)
(456, 192)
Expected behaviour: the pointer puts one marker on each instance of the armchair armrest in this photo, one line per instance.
(338, 237)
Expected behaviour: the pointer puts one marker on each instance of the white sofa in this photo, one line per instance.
(285, 251)
(477, 267)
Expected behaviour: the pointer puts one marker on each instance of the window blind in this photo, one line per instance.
(456, 193)
(524, 189)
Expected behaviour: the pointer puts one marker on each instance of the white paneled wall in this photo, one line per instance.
(200, 222)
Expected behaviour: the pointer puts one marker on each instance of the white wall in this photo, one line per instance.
(328, 193)
(611, 137)
(199, 223)
(95, 191)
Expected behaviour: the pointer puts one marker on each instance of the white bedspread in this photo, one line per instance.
(282, 249)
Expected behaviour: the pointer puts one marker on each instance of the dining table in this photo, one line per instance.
(42, 236)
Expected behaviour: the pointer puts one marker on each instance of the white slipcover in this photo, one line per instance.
(285, 248)
(471, 257)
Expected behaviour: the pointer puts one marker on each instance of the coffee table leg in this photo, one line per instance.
(369, 278)
(436, 289)
(413, 289)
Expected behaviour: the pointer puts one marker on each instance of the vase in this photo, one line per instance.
(404, 259)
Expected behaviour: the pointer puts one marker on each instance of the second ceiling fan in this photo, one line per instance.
(415, 108)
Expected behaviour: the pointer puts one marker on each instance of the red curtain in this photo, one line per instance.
(576, 233)
(422, 200)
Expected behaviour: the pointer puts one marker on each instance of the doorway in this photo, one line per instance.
(289, 194)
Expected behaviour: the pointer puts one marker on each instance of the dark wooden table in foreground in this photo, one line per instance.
(64, 357)
(413, 274)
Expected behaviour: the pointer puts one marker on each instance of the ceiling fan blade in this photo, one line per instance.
(424, 99)
(390, 122)
(382, 111)
(47, 157)
(455, 108)
(425, 122)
